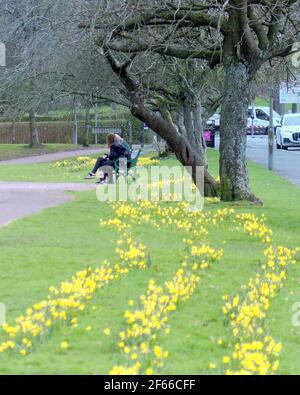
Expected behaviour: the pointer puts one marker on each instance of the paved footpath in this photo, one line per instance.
(20, 199)
(63, 155)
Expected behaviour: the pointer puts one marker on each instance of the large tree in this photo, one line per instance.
(175, 99)
(241, 35)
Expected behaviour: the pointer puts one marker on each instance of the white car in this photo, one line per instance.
(214, 120)
(261, 118)
(288, 134)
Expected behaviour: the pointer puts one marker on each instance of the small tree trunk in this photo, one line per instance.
(233, 135)
(87, 125)
(194, 158)
(74, 124)
(34, 135)
(186, 153)
(14, 131)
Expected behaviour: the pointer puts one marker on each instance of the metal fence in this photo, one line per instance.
(60, 132)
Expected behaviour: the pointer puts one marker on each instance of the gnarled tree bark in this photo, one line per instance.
(237, 36)
(233, 135)
(187, 147)
(34, 134)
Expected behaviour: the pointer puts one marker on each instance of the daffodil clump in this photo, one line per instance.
(255, 226)
(168, 190)
(115, 223)
(139, 342)
(86, 162)
(147, 161)
(251, 349)
(255, 352)
(71, 297)
(213, 200)
(74, 165)
(172, 215)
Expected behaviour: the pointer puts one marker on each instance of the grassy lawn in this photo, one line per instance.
(48, 172)
(45, 249)
(42, 172)
(13, 151)
(262, 102)
(103, 110)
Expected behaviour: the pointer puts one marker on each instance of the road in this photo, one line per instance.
(286, 163)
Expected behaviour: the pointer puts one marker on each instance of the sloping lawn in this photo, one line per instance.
(43, 250)
(40, 172)
(44, 172)
(69, 170)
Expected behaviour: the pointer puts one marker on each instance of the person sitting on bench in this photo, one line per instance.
(127, 146)
(117, 150)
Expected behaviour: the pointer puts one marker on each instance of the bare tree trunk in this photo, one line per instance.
(87, 125)
(74, 123)
(34, 135)
(191, 125)
(14, 131)
(185, 150)
(187, 154)
(233, 135)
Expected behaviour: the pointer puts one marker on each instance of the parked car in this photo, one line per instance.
(209, 137)
(261, 119)
(214, 121)
(288, 133)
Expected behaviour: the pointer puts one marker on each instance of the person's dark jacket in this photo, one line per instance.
(117, 150)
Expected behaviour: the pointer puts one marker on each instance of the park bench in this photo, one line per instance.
(131, 165)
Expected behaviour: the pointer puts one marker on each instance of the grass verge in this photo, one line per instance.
(45, 249)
